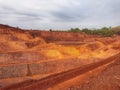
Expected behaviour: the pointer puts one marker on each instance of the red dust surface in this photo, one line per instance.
(33, 54)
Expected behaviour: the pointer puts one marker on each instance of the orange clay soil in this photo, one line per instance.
(14, 39)
(27, 50)
(108, 79)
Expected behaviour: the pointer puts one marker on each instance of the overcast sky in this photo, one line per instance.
(60, 14)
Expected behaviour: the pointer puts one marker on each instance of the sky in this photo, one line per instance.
(60, 14)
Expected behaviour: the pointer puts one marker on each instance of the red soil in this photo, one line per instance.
(22, 52)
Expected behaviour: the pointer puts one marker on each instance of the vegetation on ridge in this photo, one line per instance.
(105, 31)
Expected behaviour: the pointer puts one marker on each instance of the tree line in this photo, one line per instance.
(105, 31)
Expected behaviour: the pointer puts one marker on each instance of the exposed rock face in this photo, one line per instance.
(51, 36)
(13, 71)
(30, 45)
(27, 53)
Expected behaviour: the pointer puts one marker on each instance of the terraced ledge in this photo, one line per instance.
(44, 67)
(64, 74)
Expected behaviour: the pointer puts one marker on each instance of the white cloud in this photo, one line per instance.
(59, 14)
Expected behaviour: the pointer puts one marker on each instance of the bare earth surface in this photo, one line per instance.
(30, 56)
(109, 79)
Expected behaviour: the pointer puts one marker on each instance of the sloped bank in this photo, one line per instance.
(55, 66)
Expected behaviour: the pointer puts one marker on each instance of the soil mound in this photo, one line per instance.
(12, 39)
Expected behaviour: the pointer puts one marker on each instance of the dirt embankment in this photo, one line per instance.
(25, 50)
(51, 36)
(54, 36)
(13, 39)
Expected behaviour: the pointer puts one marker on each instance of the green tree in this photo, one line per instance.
(75, 30)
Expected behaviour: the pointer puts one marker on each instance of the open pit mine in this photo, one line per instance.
(53, 60)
